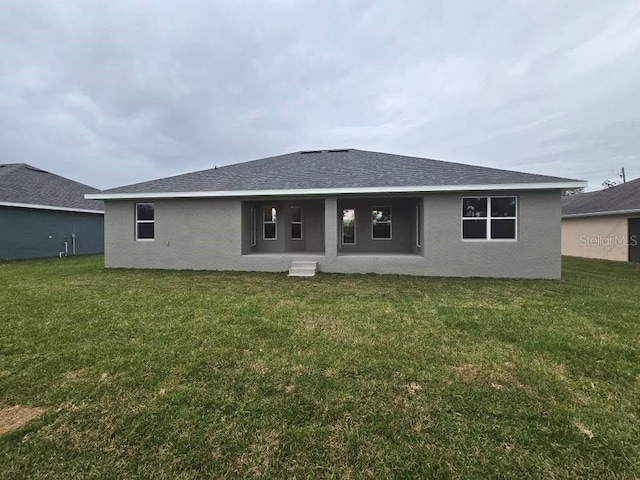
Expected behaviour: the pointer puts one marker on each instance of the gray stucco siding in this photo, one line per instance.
(189, 234)
(208, 234)
(33, 233)
(535, 253)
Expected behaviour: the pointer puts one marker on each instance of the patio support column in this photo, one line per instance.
(331, 227)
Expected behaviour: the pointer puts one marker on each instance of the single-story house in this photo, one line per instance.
(603, 224)
(45, 215)
(346, 211)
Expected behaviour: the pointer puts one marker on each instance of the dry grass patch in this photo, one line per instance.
(322, 324)
(496, 375)
(77, 376)
(583, 430)
(413, 388)
(335, 329)
(13, 418)
(258, 459)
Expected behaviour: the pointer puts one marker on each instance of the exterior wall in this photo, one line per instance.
(207, 234)
(189, 234)
(604, 237)
(32, 233)
(535, 254)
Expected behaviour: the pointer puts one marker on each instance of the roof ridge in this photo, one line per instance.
(451, 162)
(337, 171)
(10, 167)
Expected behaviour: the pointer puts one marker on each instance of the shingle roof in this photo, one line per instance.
(23, 184)
(621, 198)
(333, 169)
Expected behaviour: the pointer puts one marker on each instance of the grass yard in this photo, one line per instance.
(164, 374)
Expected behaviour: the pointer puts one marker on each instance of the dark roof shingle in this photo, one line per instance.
(621, 198)
(22, 183)
(334, 169)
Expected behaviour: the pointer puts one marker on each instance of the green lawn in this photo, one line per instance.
(163, 374)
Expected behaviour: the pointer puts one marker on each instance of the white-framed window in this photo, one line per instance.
(381, 223)
(296, 223)
(270, 223)
(489, 218)
(253, 226)
(145, 221)
(348, 226)
(418, 225)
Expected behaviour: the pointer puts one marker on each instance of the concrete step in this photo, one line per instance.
(303, 269)
(305, 273)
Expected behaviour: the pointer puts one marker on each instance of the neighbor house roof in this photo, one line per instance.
(335, 172)
(22, 185)
(621, 199)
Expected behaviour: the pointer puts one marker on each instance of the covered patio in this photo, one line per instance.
(337, 226)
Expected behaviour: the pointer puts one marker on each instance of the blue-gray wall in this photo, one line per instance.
(32, 233)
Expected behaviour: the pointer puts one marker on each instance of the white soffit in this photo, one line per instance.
(339, 191)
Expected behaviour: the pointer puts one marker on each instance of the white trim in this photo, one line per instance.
(48, 207)
(341, 191)
(390, 221)
(491, 240)
(597, 214)
(488, 219)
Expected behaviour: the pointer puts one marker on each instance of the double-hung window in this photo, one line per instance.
(381, 223)
(270, 224)
(145, 221)
(489, 218)
(296, 223)
(418, 225)
(252, 226)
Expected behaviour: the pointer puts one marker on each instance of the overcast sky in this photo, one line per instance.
(115, 92)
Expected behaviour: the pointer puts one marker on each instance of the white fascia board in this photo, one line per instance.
(339, 191)
(598, 214)
(49, 207)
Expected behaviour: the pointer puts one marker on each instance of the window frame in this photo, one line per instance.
(489, 218)
(342, 242)
(270, 222)
(291, 223)
(390, 222)
(253, 225)
(138, 222)
(419, 222)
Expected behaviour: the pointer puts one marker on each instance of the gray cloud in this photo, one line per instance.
(111, 93)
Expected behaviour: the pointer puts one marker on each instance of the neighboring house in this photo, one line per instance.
(603, 224)
(44, 215)
(349, 211)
